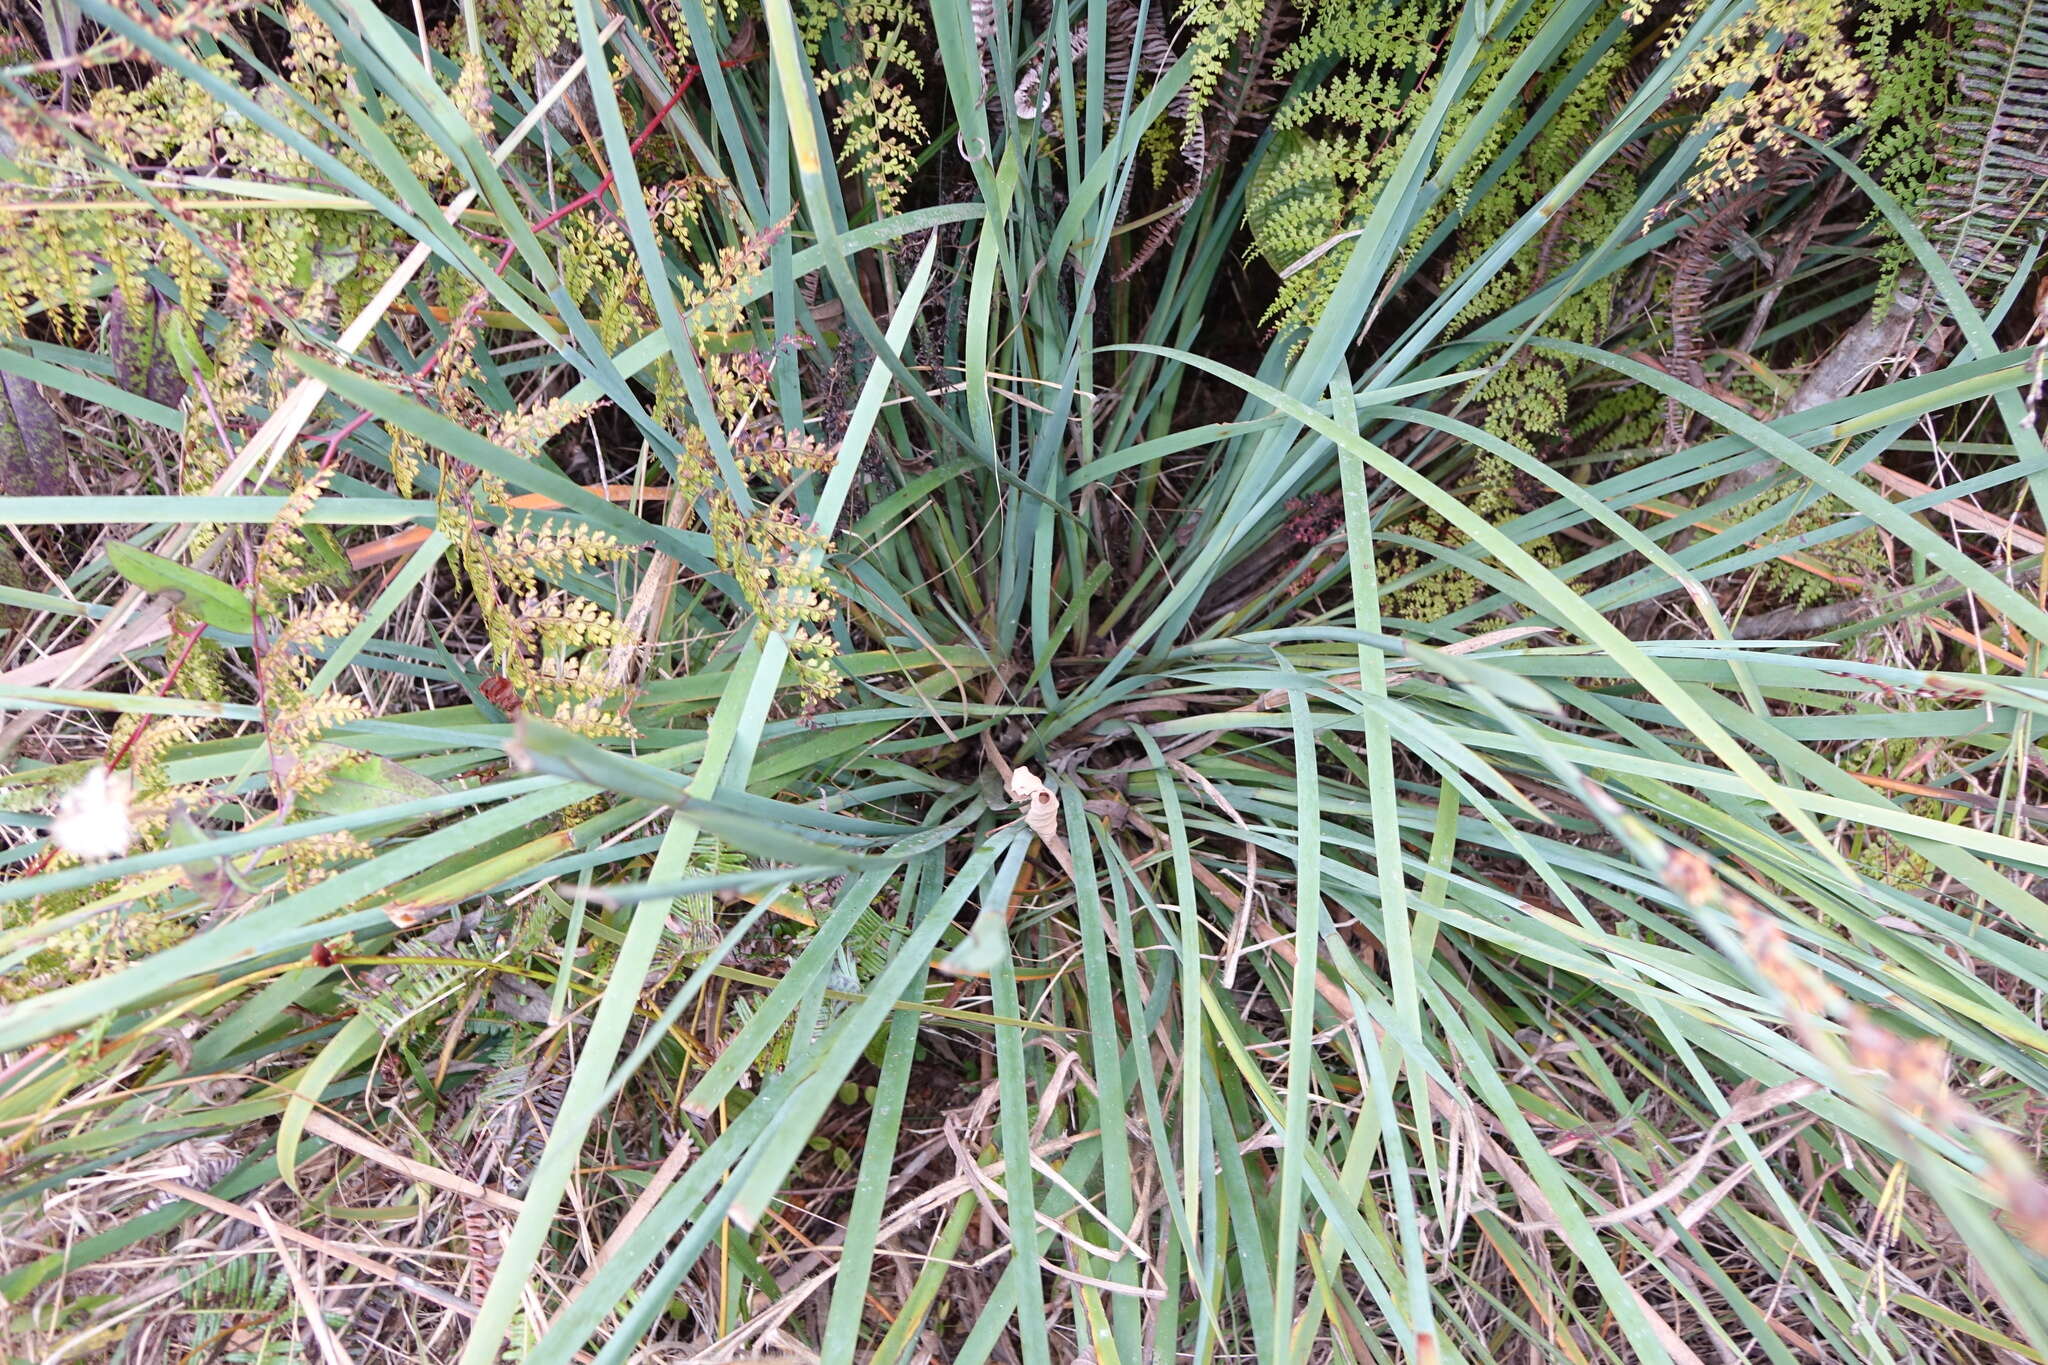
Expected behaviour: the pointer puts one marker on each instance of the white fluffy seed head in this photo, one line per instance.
(93, 820)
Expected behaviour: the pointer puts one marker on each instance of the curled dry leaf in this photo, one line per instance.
(1033, 95)
(499, 692)
(1041, 808)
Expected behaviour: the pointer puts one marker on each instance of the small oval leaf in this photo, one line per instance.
(364, 782)
(205, 599)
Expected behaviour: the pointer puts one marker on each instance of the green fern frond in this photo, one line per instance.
(871, 943)
(537, 28)
(416, 992)
(1990, 199)
(246, 1299)
(1365, 70)
(880, 130)
(528, 431)
(1859, 556)
(692, 929)
(1781, 72)
(1910, 45)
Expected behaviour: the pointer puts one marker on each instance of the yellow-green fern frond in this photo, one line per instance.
(1779, 70)
(879, 128)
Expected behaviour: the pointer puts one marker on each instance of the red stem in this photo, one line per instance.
(505, 259)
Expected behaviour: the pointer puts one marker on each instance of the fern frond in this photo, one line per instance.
(1785, 68)
(871, 943)
(314, 858)
(880, 129)
(1221, 30)
(590, 718)
(528, 548)
(282, 568)
(1991, 197)
(414, 991)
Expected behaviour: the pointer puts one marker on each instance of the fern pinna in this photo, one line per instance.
(1989, 198)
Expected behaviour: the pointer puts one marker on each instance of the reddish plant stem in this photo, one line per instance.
(505, 258)
(610, 178)
(192, 638)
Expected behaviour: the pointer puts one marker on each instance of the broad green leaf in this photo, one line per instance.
(196, 594)
(367, 782)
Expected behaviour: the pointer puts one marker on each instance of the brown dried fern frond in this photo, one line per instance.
(1715, 223)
